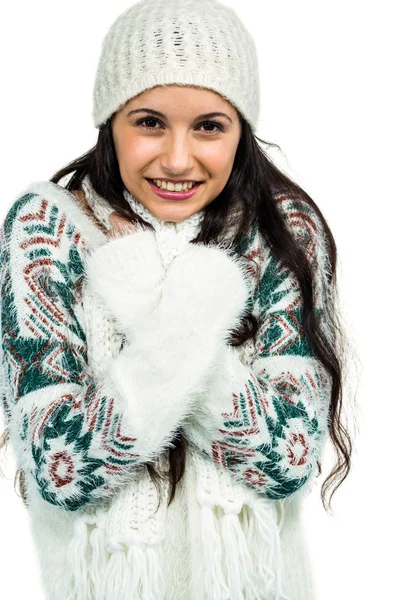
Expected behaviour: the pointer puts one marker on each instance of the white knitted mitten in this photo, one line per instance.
(204, 292)
(171, 347)
(126, 273)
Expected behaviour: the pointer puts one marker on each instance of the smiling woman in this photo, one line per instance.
(177, 149)
(171, 348)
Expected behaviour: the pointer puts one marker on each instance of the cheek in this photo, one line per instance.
(218, 159)
(135, 151)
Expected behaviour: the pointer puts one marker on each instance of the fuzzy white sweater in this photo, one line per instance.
(107, 348)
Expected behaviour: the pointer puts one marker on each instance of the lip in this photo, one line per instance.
(173, 195)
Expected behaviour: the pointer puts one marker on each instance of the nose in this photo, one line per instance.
(177, 155)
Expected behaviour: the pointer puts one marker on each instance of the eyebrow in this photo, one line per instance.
(160, 114)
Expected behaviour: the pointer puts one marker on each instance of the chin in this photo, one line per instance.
(173, 215)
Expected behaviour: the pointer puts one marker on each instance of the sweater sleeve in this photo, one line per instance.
(267, 423)
(78, 438)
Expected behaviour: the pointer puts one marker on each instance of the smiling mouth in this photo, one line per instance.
(172, 195)
(173, 182)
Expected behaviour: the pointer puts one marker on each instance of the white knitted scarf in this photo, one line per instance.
(116, 550)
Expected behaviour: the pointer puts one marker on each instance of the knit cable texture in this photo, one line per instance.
(199, 43)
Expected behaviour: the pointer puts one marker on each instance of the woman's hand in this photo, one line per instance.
(205, 290)
(127, 273)
(120, 226)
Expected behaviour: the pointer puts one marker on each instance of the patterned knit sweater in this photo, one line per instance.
(86, 411)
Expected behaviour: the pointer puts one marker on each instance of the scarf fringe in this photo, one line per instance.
(242, 557)
(116, 570)
(99, 559)
(239, 565)
(134, 574)
(264, 535)
(77, 586)
(215, 583)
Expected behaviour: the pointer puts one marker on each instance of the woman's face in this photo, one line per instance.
(178, 144)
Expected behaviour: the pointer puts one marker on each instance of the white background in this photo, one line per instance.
(328, 74)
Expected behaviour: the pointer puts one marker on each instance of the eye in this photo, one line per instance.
(147, 120)
(154, 120)
(214, 124)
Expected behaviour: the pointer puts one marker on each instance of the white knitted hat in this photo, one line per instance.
(188, 42)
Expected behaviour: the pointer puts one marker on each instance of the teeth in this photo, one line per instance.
(173, 187)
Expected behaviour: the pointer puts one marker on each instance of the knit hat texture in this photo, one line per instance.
(188, 42)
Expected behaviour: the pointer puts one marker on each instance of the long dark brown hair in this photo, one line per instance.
(254, 184)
